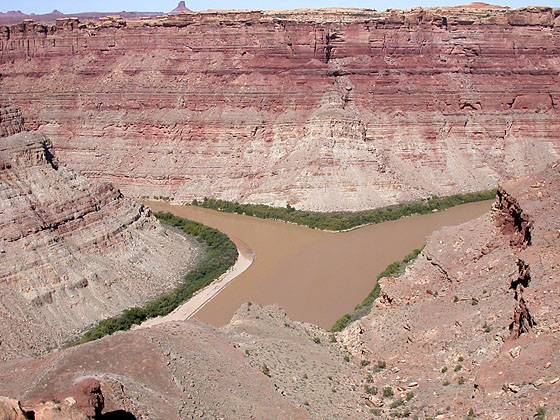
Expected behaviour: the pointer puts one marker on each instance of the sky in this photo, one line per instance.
(74, 6)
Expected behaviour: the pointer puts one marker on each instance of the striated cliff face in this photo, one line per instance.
(72, 251)
(473, 323)
(333, 109)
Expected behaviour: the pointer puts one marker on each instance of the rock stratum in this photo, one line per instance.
(470, 330)
(72, 251)
(323, 109)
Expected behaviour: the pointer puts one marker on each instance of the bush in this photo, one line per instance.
(388, 392)
(221, 254)
(344, 220)
(397, 403)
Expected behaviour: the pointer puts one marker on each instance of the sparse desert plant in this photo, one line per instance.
(461, 380)
(332, 337)
(365, 362)
(397, 403)
(455, 299)
(471, 414)
(346, 358)
(409, 395)
(541, 413)
(444, 369)
(316, 340)
(460, 359)
(372, 390)
(388, 392)
(381, 364)
(458, 368)
(265, 369)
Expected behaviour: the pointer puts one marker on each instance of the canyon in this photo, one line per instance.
(333, 109)
(336, 109)
(72, 251)
(469, 330)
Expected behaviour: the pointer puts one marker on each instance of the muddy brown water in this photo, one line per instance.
(315, 276)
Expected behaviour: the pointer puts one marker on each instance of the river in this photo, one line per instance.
(315, 276)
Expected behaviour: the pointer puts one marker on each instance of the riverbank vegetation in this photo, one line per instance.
(220, 255)
(395, 270)
(344, 220)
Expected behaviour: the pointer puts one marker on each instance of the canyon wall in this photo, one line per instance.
(332, 109)
(72, 251)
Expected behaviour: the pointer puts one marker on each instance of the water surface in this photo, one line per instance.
(315, 276)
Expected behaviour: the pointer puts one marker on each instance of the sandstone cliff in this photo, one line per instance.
(473, 323)
(72, 251)
(324, 109)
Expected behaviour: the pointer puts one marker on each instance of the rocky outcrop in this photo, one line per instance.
(72, 251)
(84, 401)
(177, 370)
(471, 326)
(323, 109)
(11, 120)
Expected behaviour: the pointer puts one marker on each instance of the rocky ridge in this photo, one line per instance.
(471, 325)
(72, 251)
(323, 109)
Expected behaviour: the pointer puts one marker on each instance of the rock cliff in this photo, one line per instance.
(323, 109)
(472, 324)
(72, 251)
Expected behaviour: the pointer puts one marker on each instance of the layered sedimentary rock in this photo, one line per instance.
(72, 251)
(473, 323)
(331, 109)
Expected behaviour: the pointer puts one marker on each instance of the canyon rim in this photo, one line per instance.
(328, 110)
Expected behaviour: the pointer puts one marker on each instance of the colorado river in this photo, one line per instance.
(315, 276)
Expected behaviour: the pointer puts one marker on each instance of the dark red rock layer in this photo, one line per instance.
(335, 109)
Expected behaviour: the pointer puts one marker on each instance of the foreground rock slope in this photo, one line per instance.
(473, 324)
(323, 109)
(72, 251)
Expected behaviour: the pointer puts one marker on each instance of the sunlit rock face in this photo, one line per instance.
(72, 251)
(335, 109)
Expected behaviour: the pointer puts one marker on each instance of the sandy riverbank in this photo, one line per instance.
(201, 298)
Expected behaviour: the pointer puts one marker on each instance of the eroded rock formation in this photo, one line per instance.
(331, 109)
(473, 323)
(72, 251)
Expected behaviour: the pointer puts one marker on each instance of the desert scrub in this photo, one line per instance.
(220, 255)
(388, 392)
(344, 220)
(316, 340)
(394, 269)
(265, 369)
(372, 390)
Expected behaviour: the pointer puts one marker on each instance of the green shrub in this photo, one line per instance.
(344, 220)
(370, 389)
(397, 403)
(388, 392)
(316, 340)
(541, 413)
(220, 255)
(409, 395)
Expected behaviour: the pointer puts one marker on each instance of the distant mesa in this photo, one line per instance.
(181, 8)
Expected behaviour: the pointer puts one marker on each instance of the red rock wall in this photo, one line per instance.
(343, 109)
